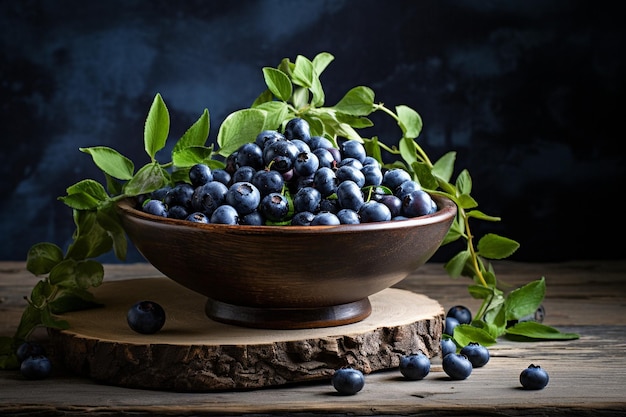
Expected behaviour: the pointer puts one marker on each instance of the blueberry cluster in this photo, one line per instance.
(293, 178)
(34, 363)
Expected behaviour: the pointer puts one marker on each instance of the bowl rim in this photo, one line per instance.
(447, 210)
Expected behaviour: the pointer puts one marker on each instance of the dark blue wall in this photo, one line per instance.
(529, 93)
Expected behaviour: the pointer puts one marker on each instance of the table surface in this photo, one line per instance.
(587, 375)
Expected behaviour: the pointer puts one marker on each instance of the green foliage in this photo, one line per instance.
(293, 90)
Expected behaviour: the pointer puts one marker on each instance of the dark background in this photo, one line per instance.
(529, 93)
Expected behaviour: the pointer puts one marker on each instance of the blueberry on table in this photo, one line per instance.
(461, 313)
(146, 317)
(447, 346)
(36, 367)
(449, 326)
(348, 381)
(534, 377)
(477, 354)
(415, 366)
(29, 348)
(457, 366)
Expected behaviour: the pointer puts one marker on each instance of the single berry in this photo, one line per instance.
(457, 366)
(373, 211)
(27, 349)
(347, 216)
(447, 346)
(146, 317)
(36, 367)
(353, 149)
(394, 177)
(477, 354)
(415, 366)
(200, 174)
(534, 377)
(325, 218)
(461, 313)
(348, 381)
(449, 326)
(225, 214)
(155, 207)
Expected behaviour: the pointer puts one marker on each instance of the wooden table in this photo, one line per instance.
(587, 376)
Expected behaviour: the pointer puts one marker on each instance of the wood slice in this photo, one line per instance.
(193, 353)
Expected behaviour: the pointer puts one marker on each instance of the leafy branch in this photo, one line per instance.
(293, 90)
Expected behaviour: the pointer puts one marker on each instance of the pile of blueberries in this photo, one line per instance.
(293, 178)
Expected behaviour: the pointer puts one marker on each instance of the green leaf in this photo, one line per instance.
(278, 83)
(157, 127)
(531, 331)
(444, 167)
(85, 195)
(190, 156)
(90, 239)
(359, 101)
(464, 182)
(51, 322)
(477, 214)
(464, 334)
(300, 97)
(265, 97)
(493, 246)
(111, 162)
(196, 135)
(525, 300)
(275, 113)
(31, 317)
(479, 291)
(150, 177)
(424, 175)
(303, 72)
(321, 61)
(466, 201)
(410, 121)
(455, 266)
(238, 128)
(42, 257)
(73, 299)
(110, 221)
(407, 150)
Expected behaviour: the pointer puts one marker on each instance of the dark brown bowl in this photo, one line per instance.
(287, 276)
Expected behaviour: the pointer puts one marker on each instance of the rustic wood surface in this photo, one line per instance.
(587, 376)
(192, 353)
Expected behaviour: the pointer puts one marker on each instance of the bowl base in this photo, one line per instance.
(286, 317)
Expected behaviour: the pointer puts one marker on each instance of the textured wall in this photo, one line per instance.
(528, 94)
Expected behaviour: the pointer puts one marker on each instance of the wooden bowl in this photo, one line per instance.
(287, 277)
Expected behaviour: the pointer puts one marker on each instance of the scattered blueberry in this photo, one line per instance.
(29, 348)
(449, 326)
(348, 381)
(415, 366)
(461, 313)
(447, 346)
(477, 354)
(36, 367)
(457, 366)
(146, 317)
(534, 377)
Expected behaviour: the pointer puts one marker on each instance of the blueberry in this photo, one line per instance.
(350, 173)
(155, 207)
(417, 203)
(197, 217)
(393, 203)
(301, 145)
(415, 366)
(221, 175)
(200, 174)
(160, 193)
(457, 366)
(177, 212)
(370, 160)
(243, 174)
(306, 163)
(225, 214)
(449, 326)
(330, 204)
(349, 195)
(268, 136)
(353, 162)
(373, 175)
(298, 128)
(325, 157)
(36, 367)
(477, 354)
(252, 219)
(405, 188)
(179, 195)
(394, 177)
(30, 348)
(274, 207)
(304, 218)
(534, 377)
(307, 199)
(320, 142)
(325, 181)
(373, 211)
(348, 381)
(250, 154)
(353, 149)
(447, 346)
(208, 197)
(461, 313)
(280, 155)
(347, 216)
(325, 218)
(268, 181)
(244, 197)
(146, 317)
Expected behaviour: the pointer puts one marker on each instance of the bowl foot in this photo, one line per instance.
(288, 318)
